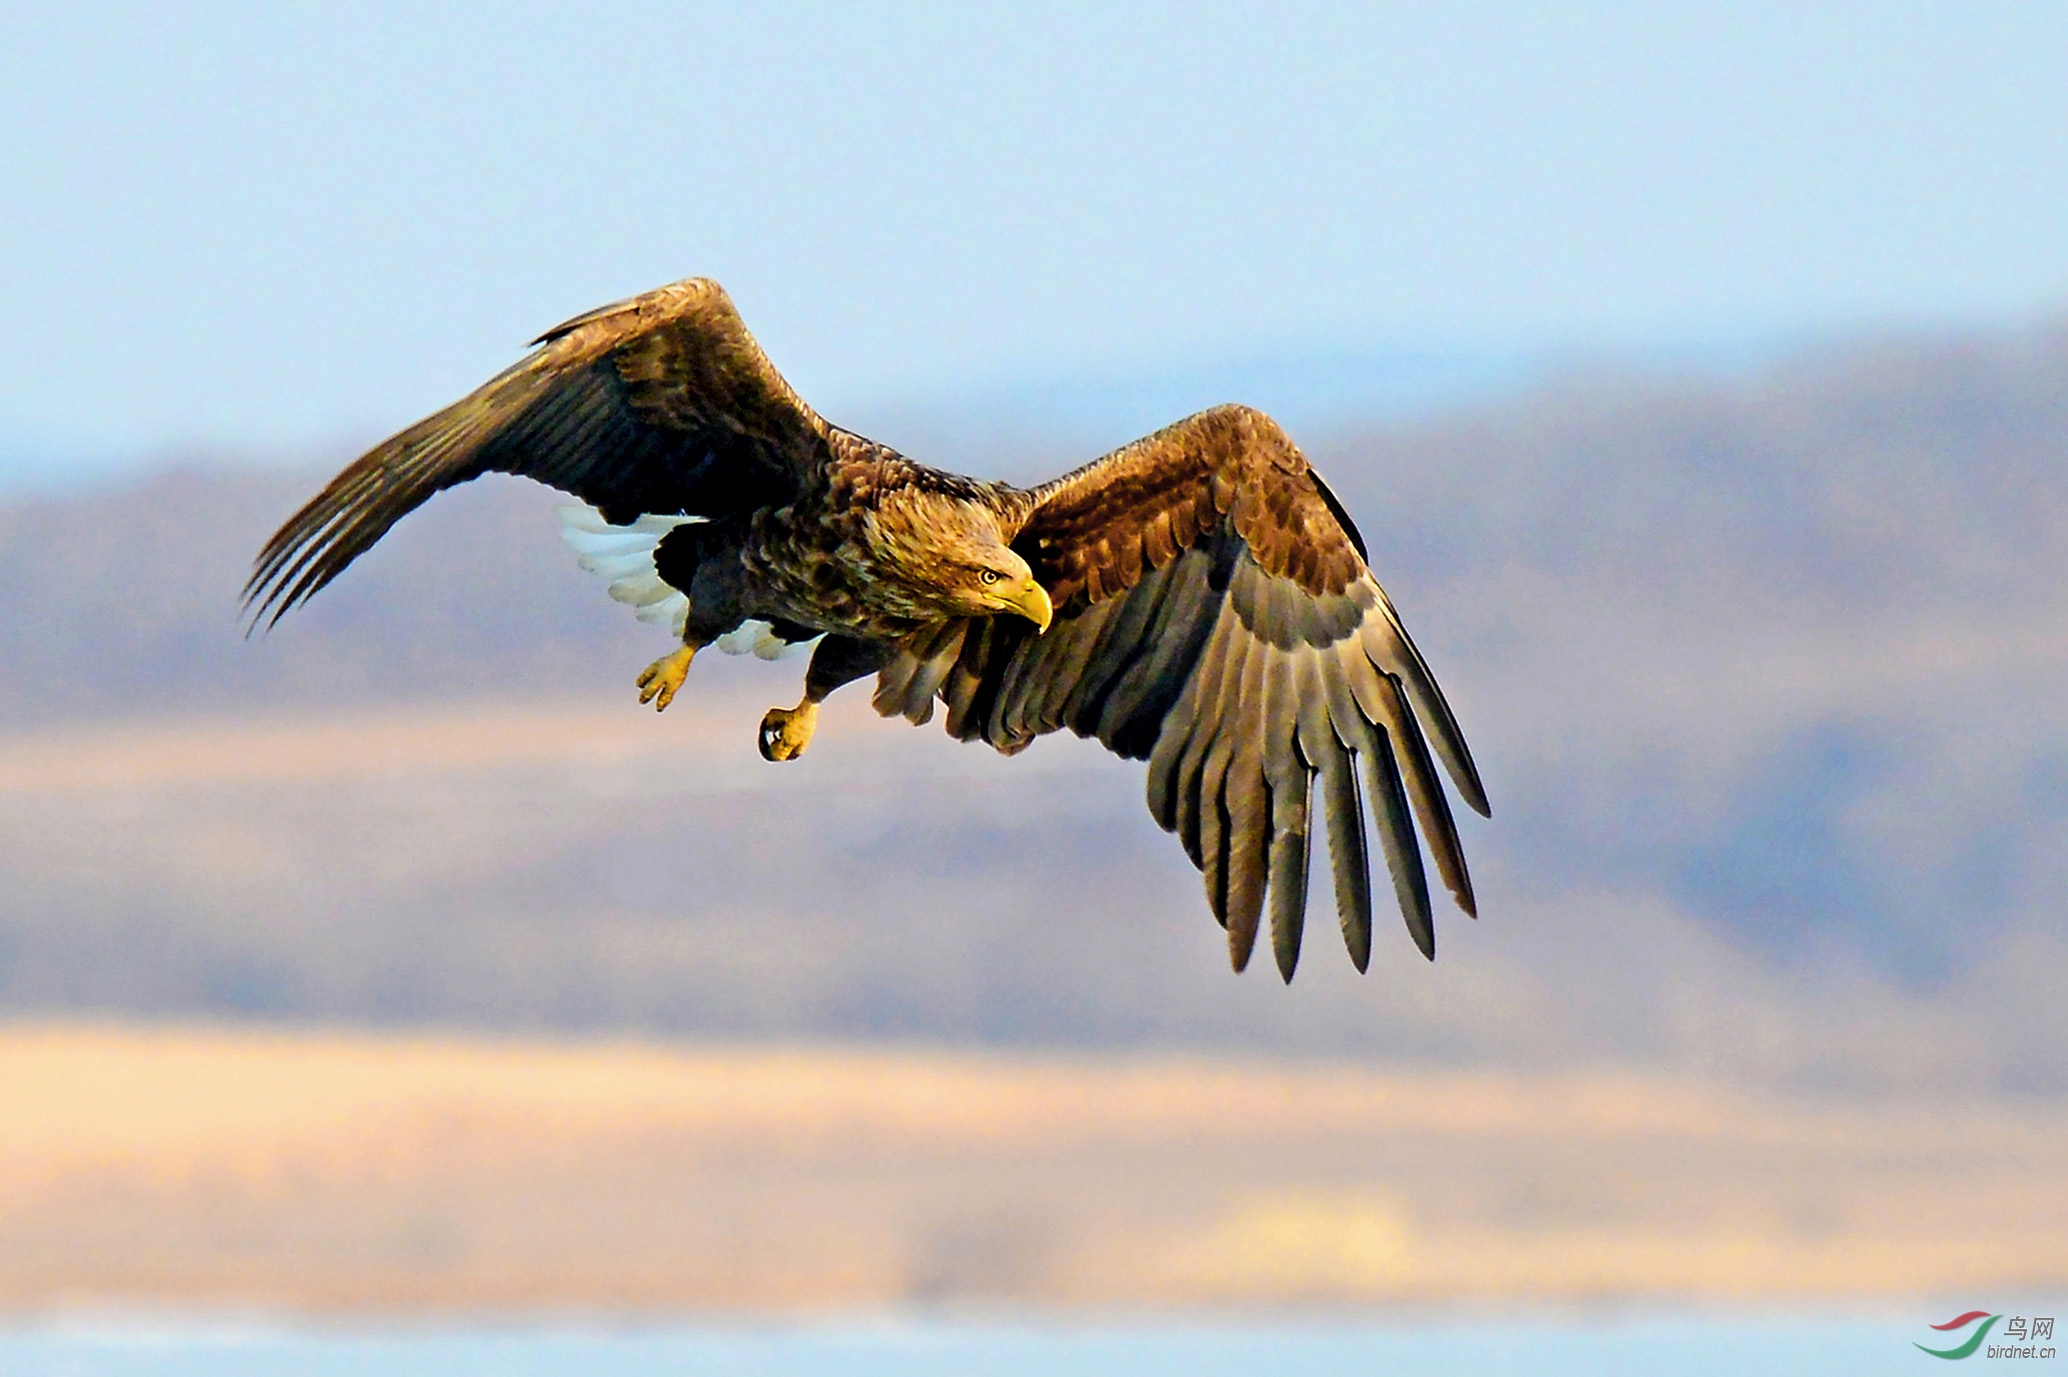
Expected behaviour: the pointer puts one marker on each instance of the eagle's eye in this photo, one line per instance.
(989, 576)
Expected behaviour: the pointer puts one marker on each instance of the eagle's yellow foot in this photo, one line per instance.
(785, 732)
(658, 683)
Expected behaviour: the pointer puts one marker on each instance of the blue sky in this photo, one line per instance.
(274, 228)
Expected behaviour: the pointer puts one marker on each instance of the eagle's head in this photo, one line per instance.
(952, 548)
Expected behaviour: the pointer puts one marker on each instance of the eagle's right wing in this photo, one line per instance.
(662, 405)
(1214, 615)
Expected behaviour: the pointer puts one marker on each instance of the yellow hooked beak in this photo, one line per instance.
(1030, 600)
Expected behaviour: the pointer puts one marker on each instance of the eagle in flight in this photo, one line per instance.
(1198, 598)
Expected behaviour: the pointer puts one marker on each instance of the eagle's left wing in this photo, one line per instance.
(659, 406)
(1214, 614)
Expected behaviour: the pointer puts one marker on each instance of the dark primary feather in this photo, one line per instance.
(1215, 616)
(662, 404)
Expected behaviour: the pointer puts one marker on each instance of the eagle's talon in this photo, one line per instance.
(785, 732)
(659, 681)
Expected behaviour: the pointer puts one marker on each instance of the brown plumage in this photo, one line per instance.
(1197, 599)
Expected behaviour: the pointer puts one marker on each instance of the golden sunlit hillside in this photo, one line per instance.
(329, 1172)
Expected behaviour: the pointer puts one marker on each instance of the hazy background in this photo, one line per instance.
(1764, 674)
(1698, 375)
(239, 226)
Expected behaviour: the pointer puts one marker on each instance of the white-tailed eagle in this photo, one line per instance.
(1197, 599)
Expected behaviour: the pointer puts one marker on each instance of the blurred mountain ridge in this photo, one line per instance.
(1764, 672)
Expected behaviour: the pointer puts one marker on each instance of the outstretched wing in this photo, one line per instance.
(1214, 615)
(659, 406)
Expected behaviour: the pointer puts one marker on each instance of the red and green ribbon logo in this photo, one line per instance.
(1966, 1350)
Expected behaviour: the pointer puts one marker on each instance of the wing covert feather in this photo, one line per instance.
(660, 405)
(1214, 616)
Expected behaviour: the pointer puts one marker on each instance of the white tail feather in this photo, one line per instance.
(624, 556)
(607, 547)
(587, 520)
(770, 646)
(740, 640)
(672, 613)
(616, 566)
(758, 638)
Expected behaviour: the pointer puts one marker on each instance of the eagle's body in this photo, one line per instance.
(879, 551)
(1197, 599)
